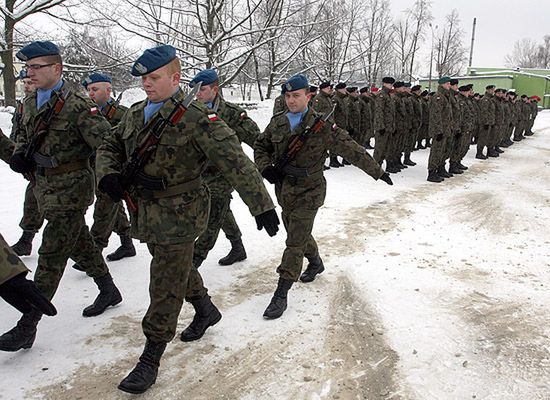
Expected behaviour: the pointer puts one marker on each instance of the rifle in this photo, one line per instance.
(145, 150)
(110, 112)
(43, 124)
(298, 142)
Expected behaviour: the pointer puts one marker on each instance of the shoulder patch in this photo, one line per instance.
(93, 111)
(213, 117)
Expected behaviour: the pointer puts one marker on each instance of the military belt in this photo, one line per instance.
(148, 182)
(62, 168)
(171, 191)
(45, 161)
(295, 174)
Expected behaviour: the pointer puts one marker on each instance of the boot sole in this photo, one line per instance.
(131, 254)
(133, 391)
(237, 260)
(186, 340)
(13, 349)
(314, 276)
(112, 304)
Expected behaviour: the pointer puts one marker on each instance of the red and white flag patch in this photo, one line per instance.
(213, 117)
(94, 110)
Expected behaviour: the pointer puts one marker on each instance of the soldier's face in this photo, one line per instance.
(327, 90)
(297, 100)
(100, 92)
(42, 72)
(161, 84)
(207, 93)
(28, 86)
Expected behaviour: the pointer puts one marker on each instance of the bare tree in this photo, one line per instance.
(12, 14)
(450, 51)
(527, 53)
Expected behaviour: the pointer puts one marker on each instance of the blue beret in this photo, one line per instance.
(295, 82)
(153, 59)
(443, 80)
(37, 49)
(95, 78)
(22, 74)
(206, 76)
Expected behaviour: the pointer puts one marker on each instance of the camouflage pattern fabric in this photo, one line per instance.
(366, 119)
(33, 218)
(384, 120)
(487, 118)
(10, 264)
(341, 112)
(440, 124)
(230, 227)
(6, 147)
(300, 197)
(354, 117)
(279, 104)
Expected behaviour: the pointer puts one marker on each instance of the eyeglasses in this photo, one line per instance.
(36, 67)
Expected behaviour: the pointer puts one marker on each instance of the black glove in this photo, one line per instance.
(486, 127)
(110, 184)
(386, 178)
(24, 295)
(439, 137)
(268, 220)
(381, 132)
(19, 163)
(271, 174)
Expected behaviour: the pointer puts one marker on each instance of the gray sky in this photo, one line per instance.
(500, 23)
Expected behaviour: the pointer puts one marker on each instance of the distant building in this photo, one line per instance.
(529, 81)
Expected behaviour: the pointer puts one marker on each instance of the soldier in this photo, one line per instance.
(300, 187)
(416, 121)
(465, 127)
(323, 104)
(64, 184)
(341, 116)
(366, 118)
(384, 123)
(172, 201)
(508, 120)
(354, 115)
(440, 130)
(17, 291)
(403, 125)
(279, 104)
(477, 105)
(312, 93)
(454, 140)
(32, 219)
(220, 215)
(513, 121)
(499, 121)
(486, 121)
(108, 216)
(424, 126)
(534, 109)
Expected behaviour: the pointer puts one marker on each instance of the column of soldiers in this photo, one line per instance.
(176, 161)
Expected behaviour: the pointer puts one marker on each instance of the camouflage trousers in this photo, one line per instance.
(108, 217)
(437, 153)
(66, 236)
(32, 219)
(299, 242)
(484, 136)
(494, 136)
(172, 279)
(460, 147)
(410, 140)
(10, 264)
(381, 146)
(220, 217)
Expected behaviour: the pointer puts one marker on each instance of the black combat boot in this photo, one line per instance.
(433, 176)
(408, 160)
(454, 169)
(144, 374)
(334, 162)
(237, 253)
(499, 150)
(23, 334)
(109, 295)
(314, 268)
(23, 247)
(479, 154)
(492, 153)
(441, 171)
(126, 249)
(400, 164)
(278, 303)
(462, 166)
(391, 168)
(206, 315)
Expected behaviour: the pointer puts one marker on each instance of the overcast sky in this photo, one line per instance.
(500, 23)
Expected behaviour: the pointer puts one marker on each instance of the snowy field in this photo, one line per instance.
(432, 291)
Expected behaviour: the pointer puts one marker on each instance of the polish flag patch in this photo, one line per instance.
(94, 111)
(213, 117)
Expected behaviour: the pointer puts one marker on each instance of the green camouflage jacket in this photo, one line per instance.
(180, 214)
(341, 113)
(499, 111)
(440, 114)
(366, 114)
(487, 110)
(467, 115)
(279, 105)
(308, 192)
(417, 111)
(72, 137)
(6, 147)
(456, 117)
(323, 103)
(403, 109)
(10, 264)
(384, 112)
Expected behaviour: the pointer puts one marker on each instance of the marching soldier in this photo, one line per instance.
(487, 122)
(440, 130)
(108, 216)
(384, 123)
(32, 219)
(341, 117)
(170, 198)
(323, 104)
(220, 215)
(57, 154)
(299, 184)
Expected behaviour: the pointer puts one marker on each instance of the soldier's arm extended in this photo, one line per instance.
(349, 149)
(247, 130)
(6, 147)
(220, 144)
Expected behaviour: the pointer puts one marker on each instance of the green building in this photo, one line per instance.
(527, 81)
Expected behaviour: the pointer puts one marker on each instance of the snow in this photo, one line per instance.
(430, 292)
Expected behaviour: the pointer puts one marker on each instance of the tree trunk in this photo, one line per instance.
(7, 58)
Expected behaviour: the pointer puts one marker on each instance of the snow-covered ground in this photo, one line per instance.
(432, 291)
